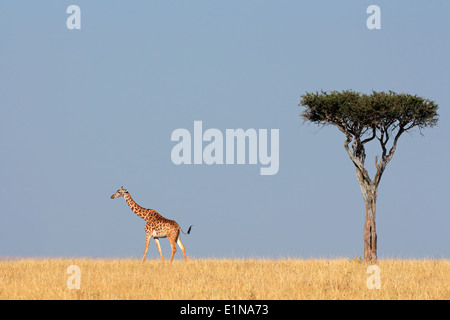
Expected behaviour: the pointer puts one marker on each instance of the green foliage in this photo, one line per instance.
(358, 112)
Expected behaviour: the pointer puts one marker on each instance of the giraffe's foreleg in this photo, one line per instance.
(159, 248)
(147, 241)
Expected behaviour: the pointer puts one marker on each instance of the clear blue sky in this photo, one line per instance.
(86, 111)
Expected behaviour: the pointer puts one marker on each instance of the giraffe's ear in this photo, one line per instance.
(125, 190)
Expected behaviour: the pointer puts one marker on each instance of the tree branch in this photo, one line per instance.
(394, 145)
(356, 161)
(370, 138)
(386, 158)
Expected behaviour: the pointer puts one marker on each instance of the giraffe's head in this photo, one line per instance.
(119, 193)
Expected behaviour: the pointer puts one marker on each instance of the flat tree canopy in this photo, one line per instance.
(358, 113)
(362, 118)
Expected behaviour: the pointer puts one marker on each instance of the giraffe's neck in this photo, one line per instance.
(134, 206)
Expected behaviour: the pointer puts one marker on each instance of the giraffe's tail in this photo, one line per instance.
(188, 232)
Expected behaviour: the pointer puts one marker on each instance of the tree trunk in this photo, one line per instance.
(370, 234)
(368, 186)
(369, 191)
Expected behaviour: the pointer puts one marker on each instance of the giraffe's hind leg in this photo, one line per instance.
(159, 248)
(181, 246)
(174, 249)
(147, 240)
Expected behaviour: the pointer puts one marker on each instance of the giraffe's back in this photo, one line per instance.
(160, 227)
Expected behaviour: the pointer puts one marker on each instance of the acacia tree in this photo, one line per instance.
(363, 118)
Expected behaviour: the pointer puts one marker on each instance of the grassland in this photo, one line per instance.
(223, 279)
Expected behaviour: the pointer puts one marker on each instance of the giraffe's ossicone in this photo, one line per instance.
(157, 226)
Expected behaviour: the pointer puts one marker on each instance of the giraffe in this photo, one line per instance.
(157, 226)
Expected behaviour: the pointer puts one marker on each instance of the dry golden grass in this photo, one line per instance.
(223, 279)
